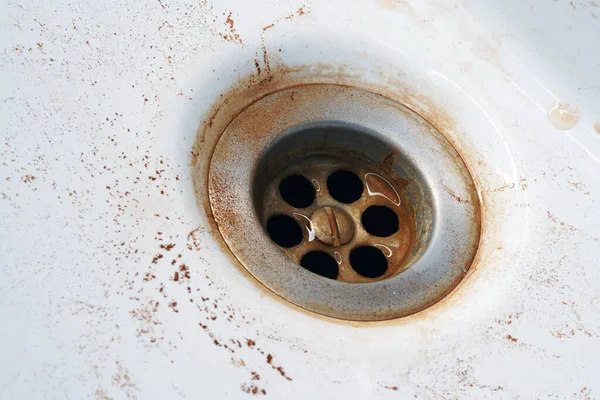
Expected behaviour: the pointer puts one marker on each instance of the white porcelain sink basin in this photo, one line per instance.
(113, 284)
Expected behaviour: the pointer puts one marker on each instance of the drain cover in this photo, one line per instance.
(345, 206)
(344, 202)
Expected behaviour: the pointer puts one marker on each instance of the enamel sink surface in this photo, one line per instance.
(114, 286)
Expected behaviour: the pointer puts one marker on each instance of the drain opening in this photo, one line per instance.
(357, 150)
(284, 231)
(345, 186)
(380, 221)
(320, 263)
(333, 188)
(368, 261)
(297, 191)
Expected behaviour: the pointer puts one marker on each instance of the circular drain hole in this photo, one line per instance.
(320, 263)
(284, 231)
(297, 191)
(368, 261)
(387, 232)
(345, 186)
(380, 221)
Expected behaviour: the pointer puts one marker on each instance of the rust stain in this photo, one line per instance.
(122, 379)
(265, 56)
(255, 86)
(278, 369)
(597, 127)
(184, 271)
(28, 178)
(231, 35)
(561, 225)
(300, 12)
(230, 22)
(503, 187)
(511, 338)
(334, 226)
(257, 65)
(252, 389)
(388, 161)
(266, 61)
(454, 195)
(509, 319)
(335, 232)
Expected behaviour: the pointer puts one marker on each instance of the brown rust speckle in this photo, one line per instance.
(252, 389)
(454, 195)
(278, 369)
(300, 12)
(231, 35)
(28, 178)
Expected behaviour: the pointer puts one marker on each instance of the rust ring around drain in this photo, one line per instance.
(440, 190)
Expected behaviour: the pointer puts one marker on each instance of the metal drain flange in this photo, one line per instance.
(344, 202)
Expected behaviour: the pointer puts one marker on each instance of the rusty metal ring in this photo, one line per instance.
(450, 225)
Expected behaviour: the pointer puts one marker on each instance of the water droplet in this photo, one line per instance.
(385, 250)
(316, 185)
(377, 185)
(310, 228)
(338, 257)
(564, 116)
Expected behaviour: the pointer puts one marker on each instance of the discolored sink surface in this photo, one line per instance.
(114, 282)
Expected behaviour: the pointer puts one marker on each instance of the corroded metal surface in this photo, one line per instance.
(333, 226)
(309, 117)
(396, 247)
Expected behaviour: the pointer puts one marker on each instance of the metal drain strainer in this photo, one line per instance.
(344, 202)
(336, 214)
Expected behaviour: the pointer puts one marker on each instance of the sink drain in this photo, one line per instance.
(352, 212)
(344, 202)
